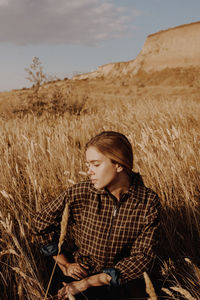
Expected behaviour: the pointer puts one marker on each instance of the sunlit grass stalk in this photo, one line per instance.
(149, 287)
(63, 232)
(41, 156)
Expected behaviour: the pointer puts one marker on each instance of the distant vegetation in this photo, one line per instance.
(42, 140)
(35, 73)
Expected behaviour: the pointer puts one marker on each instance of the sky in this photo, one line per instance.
(76, 36)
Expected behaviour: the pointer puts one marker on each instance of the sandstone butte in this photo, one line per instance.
(167, 66)
(177, 47)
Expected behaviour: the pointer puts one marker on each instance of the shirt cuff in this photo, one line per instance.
(50, 249)
(115, 281)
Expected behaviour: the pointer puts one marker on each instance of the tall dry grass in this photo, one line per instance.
(41, 156)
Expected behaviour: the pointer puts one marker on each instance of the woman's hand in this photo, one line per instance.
(74, 270)
(72, 288)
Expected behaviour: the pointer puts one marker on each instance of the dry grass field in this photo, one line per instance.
(42, 139)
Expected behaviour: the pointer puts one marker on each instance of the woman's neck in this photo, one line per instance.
(120, 186)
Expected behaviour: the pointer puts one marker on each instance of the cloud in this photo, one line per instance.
(3, 2)
(86, 22)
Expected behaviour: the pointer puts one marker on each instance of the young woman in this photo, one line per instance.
(115, 221)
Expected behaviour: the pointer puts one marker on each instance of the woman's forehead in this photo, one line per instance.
(93, 154)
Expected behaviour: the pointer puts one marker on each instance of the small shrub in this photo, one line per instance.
(36, 73)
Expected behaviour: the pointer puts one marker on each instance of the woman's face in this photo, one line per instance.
(102, 172)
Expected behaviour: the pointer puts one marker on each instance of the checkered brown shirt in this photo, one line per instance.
(107, 233)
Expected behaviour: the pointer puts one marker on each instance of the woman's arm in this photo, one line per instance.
(76, 287)
(143, 251)
(47, 221)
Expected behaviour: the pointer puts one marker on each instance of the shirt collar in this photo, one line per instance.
(136, 180)
(98, 191)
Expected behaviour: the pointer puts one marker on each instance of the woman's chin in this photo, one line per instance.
(97, 185)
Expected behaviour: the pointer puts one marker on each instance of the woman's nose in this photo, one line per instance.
(90, 171)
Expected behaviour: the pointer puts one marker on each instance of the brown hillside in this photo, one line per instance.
(168, 65)
(176, 47)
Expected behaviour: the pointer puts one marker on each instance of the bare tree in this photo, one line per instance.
(36, 73)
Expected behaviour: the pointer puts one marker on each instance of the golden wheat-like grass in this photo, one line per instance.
(41, 156)
(63, 226)
(183, 292)
(63, 232)
(195, 268)
(149, 287)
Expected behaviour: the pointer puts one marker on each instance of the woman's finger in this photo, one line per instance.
(62, 292)
(75, 276)
(84, 266)
(80, 273)
(77, 272)
(71, 297)
(83, 272)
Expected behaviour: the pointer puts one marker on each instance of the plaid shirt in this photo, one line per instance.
(107, 233)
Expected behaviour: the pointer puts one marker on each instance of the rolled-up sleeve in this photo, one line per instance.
(143, 251)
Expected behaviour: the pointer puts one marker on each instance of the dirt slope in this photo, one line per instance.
(168, 66)
(177, 47)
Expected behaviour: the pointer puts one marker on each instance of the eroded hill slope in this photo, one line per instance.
(177, 47)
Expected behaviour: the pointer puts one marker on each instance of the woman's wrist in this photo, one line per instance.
(97, 280)
(105, 278)
(84, 284)
(61, 259)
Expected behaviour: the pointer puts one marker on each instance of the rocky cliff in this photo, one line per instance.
(177, 47)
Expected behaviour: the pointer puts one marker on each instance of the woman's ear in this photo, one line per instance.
(119, 168)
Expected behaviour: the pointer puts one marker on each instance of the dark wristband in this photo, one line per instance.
(115, 281)
(50, 249)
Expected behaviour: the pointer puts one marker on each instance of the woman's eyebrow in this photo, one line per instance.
(94, 160)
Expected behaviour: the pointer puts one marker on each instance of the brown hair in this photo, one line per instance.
(115, 146)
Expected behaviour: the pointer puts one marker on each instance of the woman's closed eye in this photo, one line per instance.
(94, 164)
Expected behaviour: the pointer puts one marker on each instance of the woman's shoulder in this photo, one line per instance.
(145, 193)
(81, 187)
